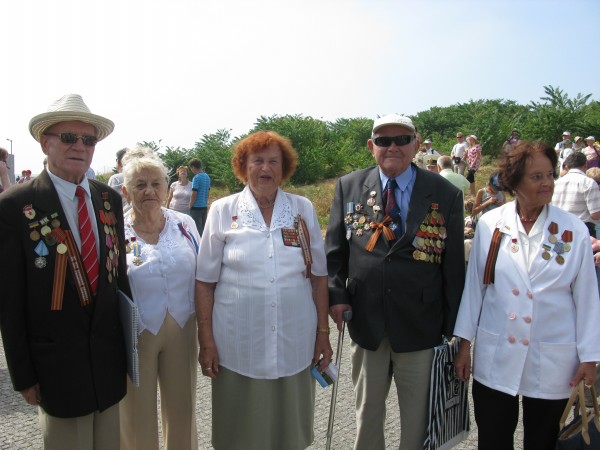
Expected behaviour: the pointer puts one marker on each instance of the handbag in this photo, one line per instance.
(448, 401)
(584, 430)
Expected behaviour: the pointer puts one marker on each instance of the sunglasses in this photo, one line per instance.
(386, 141)
(72, 138)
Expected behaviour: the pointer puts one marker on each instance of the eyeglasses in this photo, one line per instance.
(386, 141)
(72, 138)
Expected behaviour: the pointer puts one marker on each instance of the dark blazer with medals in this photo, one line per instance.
(409, 289)
(77, 353)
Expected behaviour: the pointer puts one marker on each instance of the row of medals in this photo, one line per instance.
(559, 247)
(430, 239)
(356, 218)
(47, 224)
(109, 220)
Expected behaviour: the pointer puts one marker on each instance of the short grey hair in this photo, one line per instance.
(444, 162)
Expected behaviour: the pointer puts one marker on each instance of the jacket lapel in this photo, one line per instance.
(509, 227)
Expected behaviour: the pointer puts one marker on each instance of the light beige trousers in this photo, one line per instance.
(169, 359)
(372, 373)
(96, 431)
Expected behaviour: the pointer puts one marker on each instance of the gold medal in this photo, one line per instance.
(423, 256)
(416, 255)
(106, 230)
(34, 235)
(107, 205)
(560, 259)
(546, 256)
(362, 220)
(567, 247)
(552, 239)
(61, 248)
(137, 261)
(234, 225)
(45, 230)
(371, 201)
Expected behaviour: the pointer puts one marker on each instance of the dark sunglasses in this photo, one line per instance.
(386, 141)
(72, 138)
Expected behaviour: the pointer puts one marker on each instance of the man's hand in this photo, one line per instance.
(32, 395)
(336, 312)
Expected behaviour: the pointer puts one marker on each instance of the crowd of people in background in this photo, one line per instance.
(243, 288)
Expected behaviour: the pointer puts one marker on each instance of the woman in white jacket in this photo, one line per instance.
(530, 306)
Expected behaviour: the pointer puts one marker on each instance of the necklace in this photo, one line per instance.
(525, 220)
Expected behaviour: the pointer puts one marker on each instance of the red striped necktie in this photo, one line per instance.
(89, 254)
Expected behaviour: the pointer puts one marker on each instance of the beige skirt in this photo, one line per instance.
(253, 414)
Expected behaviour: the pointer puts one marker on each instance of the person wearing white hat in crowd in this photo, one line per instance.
(404, 295)
(63, 260)
(591, 153)
(425, 155)
(561, 145)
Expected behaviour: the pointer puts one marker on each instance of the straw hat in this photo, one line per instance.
(67, 108)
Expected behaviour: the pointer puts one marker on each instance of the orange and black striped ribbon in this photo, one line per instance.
(58, 287)
(380, 227)
(490, 263)
(304, 238)
(82, 284)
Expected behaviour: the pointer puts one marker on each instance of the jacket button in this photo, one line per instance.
(512, 316)
(525, 341)
(515, 291)
(527, 319)
(529, 294)
(512, 339)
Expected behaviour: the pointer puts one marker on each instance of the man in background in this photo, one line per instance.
(116, 180)
(199, 198)
(459, 165)
(577, 193)
(445, 170)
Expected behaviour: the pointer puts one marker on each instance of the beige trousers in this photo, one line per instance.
(372, 373)
(96, 431)
(168, 359)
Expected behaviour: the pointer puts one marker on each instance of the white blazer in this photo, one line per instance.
(532, 328)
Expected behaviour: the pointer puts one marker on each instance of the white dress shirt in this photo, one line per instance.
(264, 317)
(164, 281)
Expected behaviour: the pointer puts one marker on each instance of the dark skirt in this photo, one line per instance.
(254, 414)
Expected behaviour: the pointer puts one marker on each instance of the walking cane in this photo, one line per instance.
(346, 316)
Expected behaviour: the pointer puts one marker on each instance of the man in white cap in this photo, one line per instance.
(459, 165)
(404, 290)
(565, 139)
(62, 257)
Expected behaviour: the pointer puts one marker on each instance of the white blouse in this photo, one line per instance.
(163, 280)
(264, 317)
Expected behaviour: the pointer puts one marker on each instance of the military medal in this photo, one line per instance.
(553, 229)
(29, 212)
(234, 224)
(55, 223)
(371, 202)
(135, 248)
(514, 247)
(567, 237)
(42, 251)
(560, 259)
(105, 197)
(546, 255)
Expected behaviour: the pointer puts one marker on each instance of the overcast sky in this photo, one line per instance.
(175, 70)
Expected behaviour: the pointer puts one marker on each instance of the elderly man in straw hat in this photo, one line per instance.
(62, 257)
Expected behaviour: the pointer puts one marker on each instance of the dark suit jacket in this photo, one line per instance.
(413, 302)
(77, 354)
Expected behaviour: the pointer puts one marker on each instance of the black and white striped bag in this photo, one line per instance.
(448, 401)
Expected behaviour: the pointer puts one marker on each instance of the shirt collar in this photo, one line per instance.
(403, 179)
(67, 188)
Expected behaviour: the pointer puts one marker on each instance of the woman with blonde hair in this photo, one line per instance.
(161, 266)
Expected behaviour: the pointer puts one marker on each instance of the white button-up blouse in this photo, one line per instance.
(264, 317)
(164, 281)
